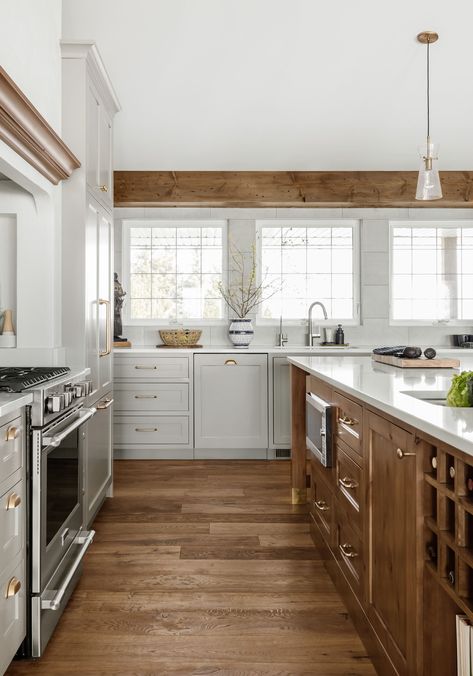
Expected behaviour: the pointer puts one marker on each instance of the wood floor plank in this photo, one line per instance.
(201, 568)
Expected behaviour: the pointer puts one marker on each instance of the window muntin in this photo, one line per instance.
(173, 270)
(307, 261)
(431, 272)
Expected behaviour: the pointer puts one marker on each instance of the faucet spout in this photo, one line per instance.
(315, 334)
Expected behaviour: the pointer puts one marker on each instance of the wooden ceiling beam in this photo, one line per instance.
(286, 189)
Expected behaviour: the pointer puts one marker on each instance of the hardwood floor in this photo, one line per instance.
(203, 567)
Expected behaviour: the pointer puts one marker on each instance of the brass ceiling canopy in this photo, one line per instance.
(428, 37)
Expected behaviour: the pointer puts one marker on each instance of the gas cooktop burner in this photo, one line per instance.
(19, 378)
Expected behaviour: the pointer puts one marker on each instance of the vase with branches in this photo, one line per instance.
(244, 293)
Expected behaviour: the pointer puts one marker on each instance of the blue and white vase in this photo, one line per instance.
(241, 332)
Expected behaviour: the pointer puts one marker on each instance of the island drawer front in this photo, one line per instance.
(348, 551)
(150, 368)
(321, 505)
(349, 421)
(12, 520)
(319, 388)
(152, 430)
(151, 397)
(349, 489)
(12, 611)
(11, 447)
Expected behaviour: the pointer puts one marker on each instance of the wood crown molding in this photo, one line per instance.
(27, 132)
(373, 189)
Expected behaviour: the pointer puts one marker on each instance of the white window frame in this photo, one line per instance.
(418, 225)
(314, 223)
(171, 223)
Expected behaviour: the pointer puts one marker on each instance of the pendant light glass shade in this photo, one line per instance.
(428, 182)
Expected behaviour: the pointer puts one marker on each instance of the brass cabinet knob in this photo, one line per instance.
(346, 482)
(13, 587)
(451, 471)
(401, 454)
(13, 501)
(321, 505)
(348, 551)
(434, 462)
(12, 433)
(347, 421)
(230, 362)
(103, 188)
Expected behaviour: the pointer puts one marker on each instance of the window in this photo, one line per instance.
(172, 270)
(308, 261)
(431, 272)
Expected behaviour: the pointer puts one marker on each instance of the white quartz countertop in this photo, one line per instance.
(385, 388)
(13, 402)
(355, 350)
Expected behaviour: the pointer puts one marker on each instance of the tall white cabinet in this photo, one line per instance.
(89, 105)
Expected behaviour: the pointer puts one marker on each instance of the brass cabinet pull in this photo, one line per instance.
(321, 505)
(230, 362)
(346, 482)
(106, 403)
(12, 433)
(13, 501)
(348, 551)
(451, 471)
(146, 429)
(146, 396)
(347, 421)
(108, 327)
(103, 188)
(13, 587)
(401, 454)
(146, 368)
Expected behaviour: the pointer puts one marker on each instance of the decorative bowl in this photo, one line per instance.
(180, 337)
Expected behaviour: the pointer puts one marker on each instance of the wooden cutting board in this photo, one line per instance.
(420, 363)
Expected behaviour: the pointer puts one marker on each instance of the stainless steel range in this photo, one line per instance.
(57, 541)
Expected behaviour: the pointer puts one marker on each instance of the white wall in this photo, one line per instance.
(374, 293)
(282, 84)
(7, 263)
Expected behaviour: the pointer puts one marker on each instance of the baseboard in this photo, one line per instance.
(230, 454)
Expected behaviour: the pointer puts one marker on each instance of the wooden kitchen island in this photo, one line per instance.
(393, 516)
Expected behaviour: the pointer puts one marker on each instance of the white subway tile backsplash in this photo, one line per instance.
(178, 213)
(375, 302)
(440, 214)
(374, 235)
(128, 212)
(218, 212)
(374, 268)
(375, 213)
(241, 234)
(298, 212)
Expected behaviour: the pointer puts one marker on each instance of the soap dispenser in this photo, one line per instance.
(339, 336)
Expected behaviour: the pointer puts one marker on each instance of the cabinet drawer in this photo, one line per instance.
(348, 551)
(152, 430)
(349, 421)
(349, 477)
(11, 447)
(150, 397)
(12, 612)
(150, 368)
(319, 388)
(12, 520)
(321, 506)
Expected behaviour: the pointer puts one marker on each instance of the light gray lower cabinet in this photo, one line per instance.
(231, 401)
(98, 458)
(12, 537)
(281, 403)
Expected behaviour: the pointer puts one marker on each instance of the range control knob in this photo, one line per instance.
(55, 402)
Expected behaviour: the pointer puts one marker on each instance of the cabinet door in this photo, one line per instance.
(91, 293)
(105, 157)
(92, 139)
(281, 402)
(105, 306)
(98, 457)
(390, 540)
(231, 401)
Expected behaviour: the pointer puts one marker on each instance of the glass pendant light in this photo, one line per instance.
(428, 183)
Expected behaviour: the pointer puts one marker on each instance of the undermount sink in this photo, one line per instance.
(430, 397)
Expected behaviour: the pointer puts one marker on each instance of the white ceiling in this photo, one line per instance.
(282, 84)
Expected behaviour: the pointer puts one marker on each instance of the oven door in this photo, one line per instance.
(319, 428)
(56, 506)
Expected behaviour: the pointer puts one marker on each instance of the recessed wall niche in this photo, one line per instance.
(8, 273)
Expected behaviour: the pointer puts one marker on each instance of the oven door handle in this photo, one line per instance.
(84, 415)
(53, 604)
